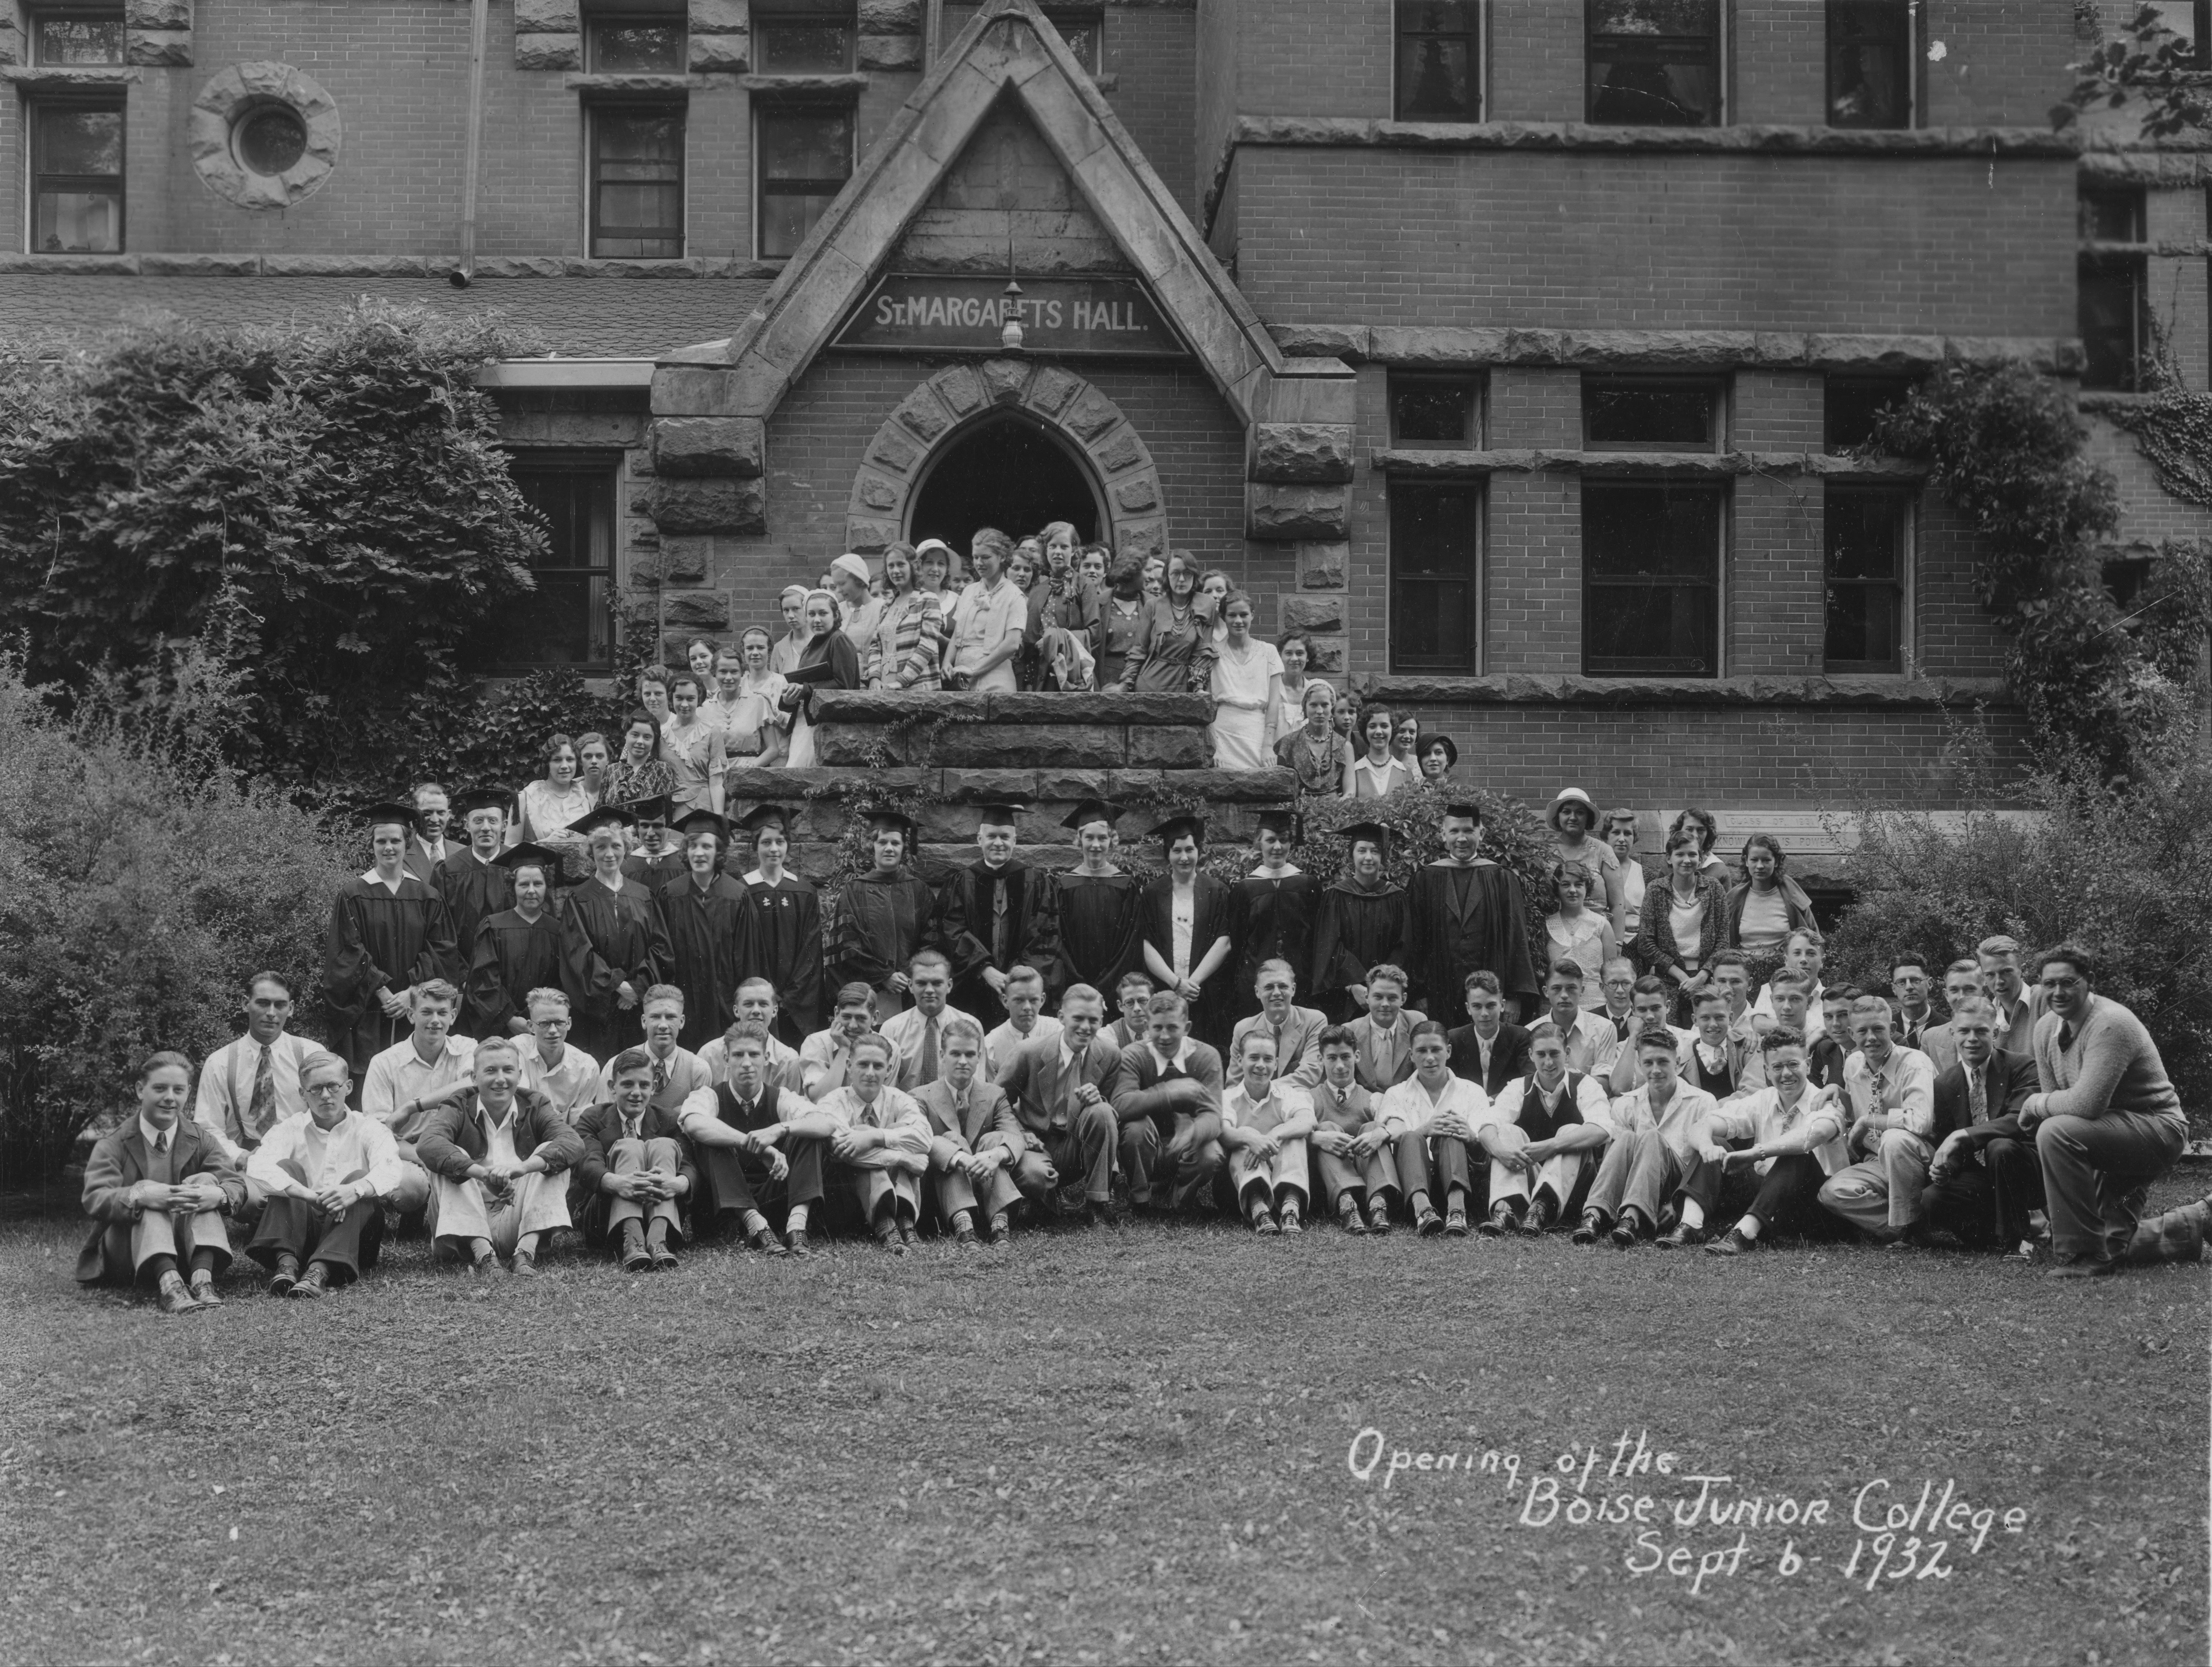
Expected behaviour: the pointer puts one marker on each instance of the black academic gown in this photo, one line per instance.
(657, 874)
(1213, 916)
(512, 956)
(1099, 919)
(884, 920)
(1355, 930)
(1275, 923)
(473, 891)
(707, 931)
(1484, 929)
(381, 939)
(1025, 935)
(625, 943)
(785, 947)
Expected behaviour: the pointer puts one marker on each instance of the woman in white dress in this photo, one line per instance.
(1248, 691)
(754, 738)
(545, 809)
(692, 748)
(1578, 933)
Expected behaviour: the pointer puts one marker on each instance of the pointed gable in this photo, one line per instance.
(1008, 200)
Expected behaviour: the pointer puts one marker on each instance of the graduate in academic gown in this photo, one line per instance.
(1469, 915)
(709, 919)
(1095, 906)
(470, 879)
(1275, 914)
(1009, 909)
(521, 949)
(784, 943)
(656, 860)
(1359, 923)
(627, 951)
(1202, 967)
(389, 932)
(890, 915)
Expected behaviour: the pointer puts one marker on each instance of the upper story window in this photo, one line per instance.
(569, 619)
(1871, 63)
(1652, 577)
(803, 156)
(2110, 212)
(2113, 288)
(649, 45)
(1435, 575)
(1867, 532)
(1440, 61)
(1084, 29)
(76, 177)
(1852, 403)
(1651, 413)
(803, 37)
(1434, 412)
(1655, 63)
(2192, 19)
(637, 182)
(76, 40)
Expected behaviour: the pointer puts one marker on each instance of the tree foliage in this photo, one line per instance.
(2145, 63)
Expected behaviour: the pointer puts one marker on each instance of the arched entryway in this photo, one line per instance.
(1006, 472)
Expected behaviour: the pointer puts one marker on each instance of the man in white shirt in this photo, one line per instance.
(988, 620)
(324, 1173)
(878, 1143)
(826, 1056)
(1796, 1136)
(1653, 1001)
(1590, 1042)
(1892, 1091)
(1652, 1148)
(756, 1004)
(917, 1035)
(1805, 954)
(2018, 1004)
(1539, 1131)
(500, 1153)
(567, 1076)
(677, 1073)
(1026, 1021)
(1265, 1121)
(410, 1080)
(248, 1086)
(427, 847)
(1430, 1118)
(1296, 1030)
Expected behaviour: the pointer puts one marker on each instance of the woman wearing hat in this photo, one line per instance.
(827, 647)
(784, 943)
(1277, 903)
(1573, 817)
(1438, 757)
(1359, 923)
(627, 951)
(852, 585)
(1190, 931)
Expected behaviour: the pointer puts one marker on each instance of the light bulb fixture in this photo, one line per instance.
(1010, 333)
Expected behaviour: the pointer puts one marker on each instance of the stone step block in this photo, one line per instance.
(1041, 746)
(1170, 749)
(876, 706)
(1159, 710)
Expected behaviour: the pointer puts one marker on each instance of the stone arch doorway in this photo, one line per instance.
(1007, 471)
(996, 404)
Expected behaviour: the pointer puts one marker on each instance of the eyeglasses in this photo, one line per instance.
(324, 1090)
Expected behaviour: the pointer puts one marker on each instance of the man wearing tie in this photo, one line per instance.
(636, 1172)
(974, 1139)
(677, 1073)
(1058, 1087)
(1617, 980)
(1297, 1030)
(1350, 1148)
(325, 1173)
(1984, 1177)
(1962, 980)
(826, 1058)
(749, 1153)
(1010, 913)
(248, 1086)
(1167, 1098)
(917, 1035)
(1591, 1044)
(880, 1141)
(1916, 1014)
(1489, 1050)
(1892, 1091)
(1383, 1034)
(155, 1189)
(427, 849)
(2018, 1007)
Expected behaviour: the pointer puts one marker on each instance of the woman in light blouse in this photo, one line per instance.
(754, 738)
(792, 643)
(544, 809)
(1296, 649)
(1766, 909)
(1684, 922)
(1378, 771)
(907, 646)
(692, 748)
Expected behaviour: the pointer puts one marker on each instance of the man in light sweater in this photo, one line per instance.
(2106, 1120)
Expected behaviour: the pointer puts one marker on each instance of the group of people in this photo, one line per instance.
(672, 1046)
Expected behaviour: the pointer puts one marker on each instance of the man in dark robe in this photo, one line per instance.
(657, 861)
(626, 948)
(389, 932)
(521, 949)
(1008, 906)
(708, 917)
(1095, 907)
(1359, 924)
(1275, 913)
(470, 879)
(1469, 915)
(785, 944)
(1189, 931)
(889, 915)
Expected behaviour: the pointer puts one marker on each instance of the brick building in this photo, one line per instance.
(1510, 346)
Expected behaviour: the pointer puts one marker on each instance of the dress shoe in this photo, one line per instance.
(1681, 1237)
(1347, 1216)
(1593, 1227)
(1288, 1215)
(1455, 1221)
(174, 1298)
(765, 1243)
(204, 1290)
(1427, 1223)
(314, 1282)
(965, 1238)
(526, 1264)
(635, 1258)
(889, 1239)
(1002, 1231)
(1379, 1217)
(1543, 1215)
(1502, 1219)
(663, 1260)
(2088, 1265)
(1733, 1242)
(286, 1276)
(1624, 1234)
(800, 1245)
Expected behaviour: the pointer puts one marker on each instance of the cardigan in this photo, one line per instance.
(1654, 938)
(2113, 1066)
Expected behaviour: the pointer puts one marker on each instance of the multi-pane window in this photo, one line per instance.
(2191, 19)
(2114, 319)
(637, 182)
(1435, 575)
(1870, 63)
(76, 40)
(1652, 578)
(569, 619)
(1084, 29)
(2110, 211)
(649, 45)
(804, 155)
(1852, 404)
(1651, 413)
(1655, 63)
(1440, 413)
(76, 178)
(1868, 536)
(803, 37)
(1440, 61)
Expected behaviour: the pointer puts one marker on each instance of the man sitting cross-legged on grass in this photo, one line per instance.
(636, 1170)
(1264, 1125)
(1653, 1146)
(750, 1151)
(324, 1173)
(498, 1151)
(1796, 1136)
(975, 1139)
(878, 1143)
(1892, 1105)
(155, 1189)
(1431, 1117)
(1350, 1148)
(1058, 1087)
(1167, 1096)
(1540, 1132)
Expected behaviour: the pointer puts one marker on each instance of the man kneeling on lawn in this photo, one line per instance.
(498, 1150)
(1796, 1135)
(1653, 1146)
(636, 1171)
(326, 1173)
(1540, 1132)
(1264, 1125)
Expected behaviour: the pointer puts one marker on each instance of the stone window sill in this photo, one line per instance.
(1445, 465)
(1894, 692)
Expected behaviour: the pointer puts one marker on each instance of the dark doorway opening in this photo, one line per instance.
(1006, 473)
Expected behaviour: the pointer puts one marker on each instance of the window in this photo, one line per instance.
(1084, 29)
(76, 178)
(569, 619)
(1852, 404)
(2110, 213)
(76, 40)
(1655, 63)
(1435, 412)
(803, 37)
(637, 182)
(1868, 536)
(1870, 63)
(805, 155)
(2114, 321)
(1440, 61)
(1435, 575)
(1652, 578)
(1644, 413)
(638, 46)
(2192, 19)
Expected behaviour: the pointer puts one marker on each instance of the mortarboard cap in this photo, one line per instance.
(1288, 823)
(388, 810)
(999, 813)
(699, 822)
(655, 808)
(1353, 834)
(767, 815)
(889, 821)
(527, 855)
(1089, 811)
(482, 799)
(1177, 826)
(607, 816)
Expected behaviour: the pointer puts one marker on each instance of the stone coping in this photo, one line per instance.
(157, 265)
(1407, 461)
(1651, 694)
(1041, 786)
(1451, 347)
(874, 706)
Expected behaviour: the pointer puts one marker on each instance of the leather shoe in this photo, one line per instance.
(1542, 1216)
(1592, 1226)
(800, 1245)
(203, 1292)
(315, 1281)
(286, 1276)
(1501, 1220)
(174, 1298)
(2086, 1266)
(1732, 1243)
(663, 1260)
(765, 1243)
(1348, 1217)
(1681, 1237)
(1456, 1222)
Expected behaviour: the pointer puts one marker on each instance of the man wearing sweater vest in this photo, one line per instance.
(2106, 1120)
(1719, 1058)
(1542, 1129)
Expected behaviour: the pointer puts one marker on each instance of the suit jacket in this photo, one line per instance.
(418, 861)
(989, 1120)
(454, 1137)
(598, 1129)
(1042, 1092)
(121, 1160)
(1509, 1056)
(2008, 1080)
(1141, 1086)
(1384, 1060)
(1746, 1067)
(1935, 1043)
(1297, 1059)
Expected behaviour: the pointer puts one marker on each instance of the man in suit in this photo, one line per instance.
(748, 1154)
(1131, 997)
(636, 1172)
(1718, 1058)
(497, 1151)
(248, 1086)
(1654, 1002)
(1059, 1086)
(1908, 986)
(1825, 1053)
(1167, 1098)
(1351, 1150)
(677, 1073)
(1384, 1034)
(1296, 1029)
(1984, 1177)
(324, 1174)
(1961, 980)
(975, 1140)
(426, 845)
(156, 1190)
(1490, 1050)
(2017, 1006)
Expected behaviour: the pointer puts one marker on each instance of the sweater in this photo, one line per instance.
(2112, 1065)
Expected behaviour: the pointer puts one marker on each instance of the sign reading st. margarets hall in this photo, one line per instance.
(942, 314)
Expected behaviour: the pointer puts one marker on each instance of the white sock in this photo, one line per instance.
(756, 1222)
(1747, 1226)
(796, 1221)
(1693, 1213)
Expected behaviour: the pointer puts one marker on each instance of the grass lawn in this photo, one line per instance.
(1106, 1447)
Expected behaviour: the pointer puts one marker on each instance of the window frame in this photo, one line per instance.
(597, 21)
(1909, 15)
(34, 177)
(1400, 490)
(33, 16)
(1725, 499)
(1717, 387)
(1723, 105)
(1092, 16)
(2201, 30)
(1478, 72)
(1907, 501)
(1896, 388)
(1477, 389)
(596, 112)
(609, 466)
(764, 20)
(766, 110)
(2136, 270)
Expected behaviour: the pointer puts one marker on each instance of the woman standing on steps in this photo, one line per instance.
(1248, 690)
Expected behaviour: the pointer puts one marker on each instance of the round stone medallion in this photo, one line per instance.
(264, 136)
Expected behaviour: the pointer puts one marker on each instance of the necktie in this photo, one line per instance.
(659, 1077)
(1977, 1099)
(1000, 950)
(161, 1144)
(929, 1050)
(630, 1126)
(264, 1102)
(2065, 1037)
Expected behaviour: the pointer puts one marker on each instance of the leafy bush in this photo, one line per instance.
(1514, 836)
(136, 891)
(500, 740)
